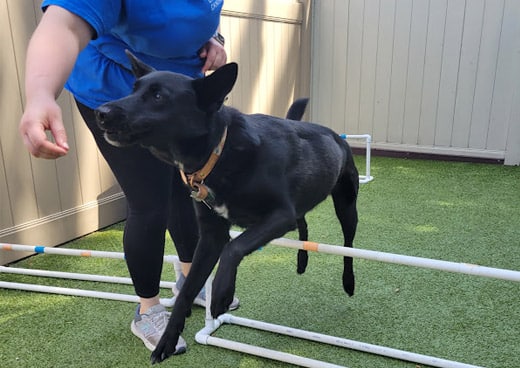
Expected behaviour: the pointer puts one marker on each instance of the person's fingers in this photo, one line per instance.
(210, 57)
(58, 132)
(214, 54)
(39, 146)
(33, 127)
(214, 60)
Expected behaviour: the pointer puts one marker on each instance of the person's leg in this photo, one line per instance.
(182, 224)
(146, 182)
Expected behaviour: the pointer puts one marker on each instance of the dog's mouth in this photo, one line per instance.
(124, 137)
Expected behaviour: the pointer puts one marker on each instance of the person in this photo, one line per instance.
(80, 45)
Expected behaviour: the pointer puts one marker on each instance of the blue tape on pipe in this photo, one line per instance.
(39, 249)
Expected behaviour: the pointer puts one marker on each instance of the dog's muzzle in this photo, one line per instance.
(103, 115)
(118, 130)
(109, 120)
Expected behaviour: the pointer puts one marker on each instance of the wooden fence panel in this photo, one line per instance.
(17, 164)
(431, 76)
(264, 37)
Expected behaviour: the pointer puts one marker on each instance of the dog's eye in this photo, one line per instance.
(157, 96)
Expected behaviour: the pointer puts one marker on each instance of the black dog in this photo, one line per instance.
(260, 172)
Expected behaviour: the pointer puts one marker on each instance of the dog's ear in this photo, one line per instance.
(138, 67)
(213, 89)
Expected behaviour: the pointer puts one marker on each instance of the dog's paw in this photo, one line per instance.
(164, 349)
(220, 304)
(223, 292)
(349, 283)
(221, 299)
(302, 260)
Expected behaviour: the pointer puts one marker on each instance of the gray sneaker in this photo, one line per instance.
(150, 326)
(200, 300)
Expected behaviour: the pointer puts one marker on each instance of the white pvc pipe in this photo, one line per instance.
(368, 159)
(356, 136)
(363, 179)
(68, 291)
(465, 268)
(168, 302)
(78, 292)
(343, 343)
(74, 292)
(76, 276)
(66, 275)
(62, 251)
(268, 353)
(204, 337)
(211, 325)
(71, 252)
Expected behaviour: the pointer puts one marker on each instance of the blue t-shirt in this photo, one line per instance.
(165, 34)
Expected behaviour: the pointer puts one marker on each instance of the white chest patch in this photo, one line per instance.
(222, 211)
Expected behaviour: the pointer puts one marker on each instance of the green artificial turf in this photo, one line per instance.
(458, 212)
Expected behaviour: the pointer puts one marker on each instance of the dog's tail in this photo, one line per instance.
(296, 112)
(297, 109)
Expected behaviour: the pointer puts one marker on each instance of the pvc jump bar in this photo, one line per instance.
(464, 268)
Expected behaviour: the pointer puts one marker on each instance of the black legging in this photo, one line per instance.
(157, 200)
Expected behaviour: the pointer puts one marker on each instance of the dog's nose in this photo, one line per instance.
(101, 114)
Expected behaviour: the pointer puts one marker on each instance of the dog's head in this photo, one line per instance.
(165, 106)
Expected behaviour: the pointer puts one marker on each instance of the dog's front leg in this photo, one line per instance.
(214, 234)
(254, 237)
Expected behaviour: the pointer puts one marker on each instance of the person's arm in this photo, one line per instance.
(52, 52)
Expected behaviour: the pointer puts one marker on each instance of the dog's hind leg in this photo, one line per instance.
(303, 235)
(344, 196)
(296, 112)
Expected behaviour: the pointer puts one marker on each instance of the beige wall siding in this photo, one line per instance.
(438, 76)
(265, 39)
(50, 202)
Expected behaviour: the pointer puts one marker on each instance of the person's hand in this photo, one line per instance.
(41, 115)
(214, 54)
